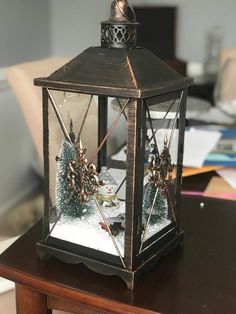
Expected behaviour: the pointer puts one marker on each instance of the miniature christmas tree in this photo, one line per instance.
(67, 182)
(160, 204)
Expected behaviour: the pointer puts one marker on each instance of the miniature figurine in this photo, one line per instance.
(106, 195)
(116, 224)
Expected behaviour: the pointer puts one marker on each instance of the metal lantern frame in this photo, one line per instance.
(143, 79)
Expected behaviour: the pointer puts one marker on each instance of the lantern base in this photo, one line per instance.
(45, 251)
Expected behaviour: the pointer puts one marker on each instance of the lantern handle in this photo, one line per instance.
(121, 10)
(129, 8)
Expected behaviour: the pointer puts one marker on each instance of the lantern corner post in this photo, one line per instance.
(136, 125)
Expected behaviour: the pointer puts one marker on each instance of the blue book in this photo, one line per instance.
(220, 159)
(224, 153)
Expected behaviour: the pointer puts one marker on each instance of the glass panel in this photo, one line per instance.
(65, 114)
(87, 207)
(111, 195)
(161, 150)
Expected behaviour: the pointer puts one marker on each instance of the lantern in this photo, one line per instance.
(116, 210)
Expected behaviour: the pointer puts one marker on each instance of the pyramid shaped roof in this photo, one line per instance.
(135, 73)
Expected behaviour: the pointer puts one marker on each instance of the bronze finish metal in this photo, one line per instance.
(121, 11)
(143, 79)
(102, 71)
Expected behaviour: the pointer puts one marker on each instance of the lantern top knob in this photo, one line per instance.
(122, 11)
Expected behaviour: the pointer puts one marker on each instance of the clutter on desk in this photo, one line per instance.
(214, 115)
(198, 144)
(218, 188)
(229, 175)
(224, 153)
(225, 90)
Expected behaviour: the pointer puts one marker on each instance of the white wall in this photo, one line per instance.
(75, 24)
(33, 29)
(25, 35)
(24, 31)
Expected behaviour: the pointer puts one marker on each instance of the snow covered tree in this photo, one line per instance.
(71, 208)
(160, 206)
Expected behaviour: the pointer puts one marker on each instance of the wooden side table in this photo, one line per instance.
(198, 279)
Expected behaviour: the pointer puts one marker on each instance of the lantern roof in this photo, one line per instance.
(135, 73)
(118, 68)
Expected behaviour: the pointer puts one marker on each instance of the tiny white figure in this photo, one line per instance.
(106, 195)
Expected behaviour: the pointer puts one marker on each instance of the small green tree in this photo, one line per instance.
(160, 206)
(63, 190)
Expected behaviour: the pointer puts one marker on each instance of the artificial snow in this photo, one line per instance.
(87, 232)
